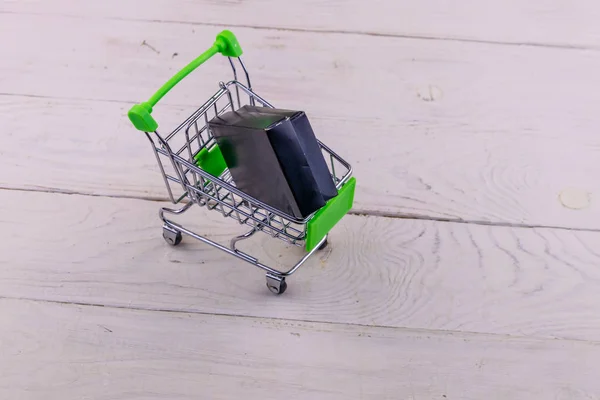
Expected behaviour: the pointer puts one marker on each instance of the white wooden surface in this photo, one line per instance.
(559, 23)
(471, 131)
(128, 354)
(379, 271)
(481, 112)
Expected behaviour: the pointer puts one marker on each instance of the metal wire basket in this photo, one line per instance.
(190, 159)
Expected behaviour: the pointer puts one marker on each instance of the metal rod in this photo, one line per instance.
(239, 254)
(162, 169)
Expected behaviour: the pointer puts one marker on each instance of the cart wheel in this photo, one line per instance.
(322, 247)
(276, 284)
(171, 236)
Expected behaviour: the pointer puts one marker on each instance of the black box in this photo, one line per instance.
(274, 156)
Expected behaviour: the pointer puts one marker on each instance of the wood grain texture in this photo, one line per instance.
(52, 351)
(518, 184)
(378, 271)
(470, 131)
(557, 23)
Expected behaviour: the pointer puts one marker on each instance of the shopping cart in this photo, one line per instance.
(190, 158)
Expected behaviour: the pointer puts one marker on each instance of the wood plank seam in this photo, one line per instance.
(301, 321)
(357, 212)
(57, 352)
(482, 175)
(330, 31)
(415, 274)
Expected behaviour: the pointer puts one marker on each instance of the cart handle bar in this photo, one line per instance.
(139, 115)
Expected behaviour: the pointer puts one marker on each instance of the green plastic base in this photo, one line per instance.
(328, 216)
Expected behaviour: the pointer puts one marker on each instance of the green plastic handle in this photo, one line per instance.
(140, 114)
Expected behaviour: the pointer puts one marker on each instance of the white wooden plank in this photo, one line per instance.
(52, 351)
(378, 271)
(559, 23)
(509, 129)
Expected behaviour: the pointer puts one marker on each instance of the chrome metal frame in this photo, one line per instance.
(219, 193)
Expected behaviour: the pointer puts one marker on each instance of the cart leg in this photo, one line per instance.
(170, 233)
(163, 210)
(241, 237)
(276, 284)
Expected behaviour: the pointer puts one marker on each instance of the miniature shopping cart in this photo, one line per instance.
(190, 158)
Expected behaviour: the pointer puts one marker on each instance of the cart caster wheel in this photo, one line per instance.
(276, 284)
(171, 236)
(322, 247)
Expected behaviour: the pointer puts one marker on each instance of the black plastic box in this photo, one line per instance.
(274, 156)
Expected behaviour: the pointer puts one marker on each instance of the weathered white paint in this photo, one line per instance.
(378, 271)
(537, 22)
(52, 351)
(433, 128)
